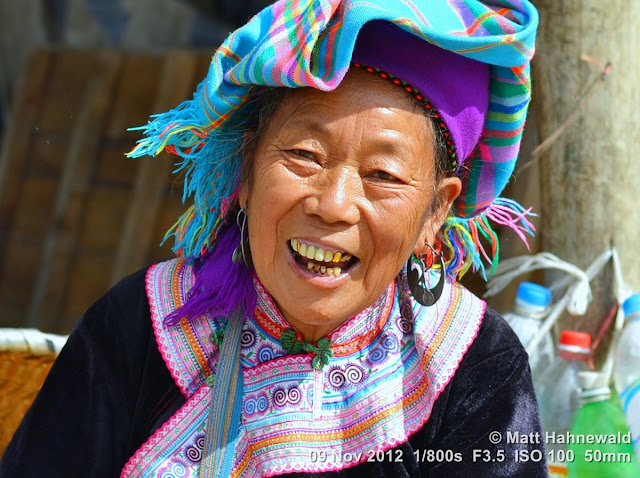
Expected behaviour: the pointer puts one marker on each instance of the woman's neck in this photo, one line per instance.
(313, 333)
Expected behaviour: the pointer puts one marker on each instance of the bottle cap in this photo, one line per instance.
(631, 305)
(575, 341)
(533, 294)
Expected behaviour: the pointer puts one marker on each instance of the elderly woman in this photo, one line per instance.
(345, 160)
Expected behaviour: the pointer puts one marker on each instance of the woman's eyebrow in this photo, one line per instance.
(394, 147)
(308, 123)
(387, 143)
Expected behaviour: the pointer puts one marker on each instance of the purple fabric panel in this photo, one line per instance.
(456, 86)
(221, 286)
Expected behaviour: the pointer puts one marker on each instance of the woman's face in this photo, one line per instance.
(349, 171)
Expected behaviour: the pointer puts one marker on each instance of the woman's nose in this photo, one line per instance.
(335, 197)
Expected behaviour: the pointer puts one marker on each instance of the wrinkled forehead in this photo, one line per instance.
(358, 92)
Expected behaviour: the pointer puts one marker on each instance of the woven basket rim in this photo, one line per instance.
(31, 340)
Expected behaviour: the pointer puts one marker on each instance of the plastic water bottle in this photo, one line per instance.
(601, 443)
(626, 371)
(558, 396)
(531, 306)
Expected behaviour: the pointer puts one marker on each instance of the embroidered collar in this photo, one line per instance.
(386, 372)
(355, 334)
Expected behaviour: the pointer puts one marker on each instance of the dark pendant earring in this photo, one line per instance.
(239, 255)
(417, 282)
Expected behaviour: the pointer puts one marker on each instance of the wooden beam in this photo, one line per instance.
(73, 187)
(14, 155)
(151, 183)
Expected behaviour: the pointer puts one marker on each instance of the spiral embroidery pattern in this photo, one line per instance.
(339, 377)
(404, 320)
(282, 397)
(390, 343)
(287, 403)
(354, 374)
(265, 354)
(176, 470)
(279, 397)
(256, 404)
(336, 377)
(294, 396)
(248, 338)
(193, 452)
(377, 356)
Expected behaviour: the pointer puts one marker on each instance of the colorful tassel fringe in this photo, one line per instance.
(186, 132)
(462, 238)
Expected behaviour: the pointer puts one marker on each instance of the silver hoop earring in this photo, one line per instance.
(417, 281)
(239, 255)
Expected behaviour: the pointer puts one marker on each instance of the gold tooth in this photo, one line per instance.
(329, 271)
(316, 267)
(318, 254)
(337, 271)
(310, 265)
(311, 252)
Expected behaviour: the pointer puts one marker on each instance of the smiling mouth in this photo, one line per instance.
(320, 261)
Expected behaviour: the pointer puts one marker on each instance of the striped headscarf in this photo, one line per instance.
(298, 43)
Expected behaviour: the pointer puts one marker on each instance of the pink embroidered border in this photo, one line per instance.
(156, 287)
(163, 434)
(441, 356)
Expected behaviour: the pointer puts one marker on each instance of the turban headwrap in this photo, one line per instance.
(310, 43)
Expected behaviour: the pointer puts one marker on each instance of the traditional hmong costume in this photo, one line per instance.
(410, 391)
(398, 390)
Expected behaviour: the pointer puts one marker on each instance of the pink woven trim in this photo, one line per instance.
(159, 437)
(476, 320)
(158, 313)
(457, 340)
(477, 323)
(440, 385)
(253, 374)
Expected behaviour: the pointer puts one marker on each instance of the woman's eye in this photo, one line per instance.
(384, 176)
(303, 153)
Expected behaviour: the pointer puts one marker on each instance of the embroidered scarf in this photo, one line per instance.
(389, 365)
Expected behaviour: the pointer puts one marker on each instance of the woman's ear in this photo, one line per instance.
(447, 191)
(243, 196)
(248, 150)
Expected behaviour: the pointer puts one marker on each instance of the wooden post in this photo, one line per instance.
(590, 176)
(71, 196)
(18, 138)
(150, 186)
